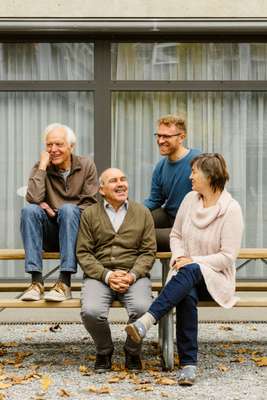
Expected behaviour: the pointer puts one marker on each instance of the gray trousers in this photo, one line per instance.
(163, 225)
(96, 299)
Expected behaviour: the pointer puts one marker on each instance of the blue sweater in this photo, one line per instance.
(170, 183)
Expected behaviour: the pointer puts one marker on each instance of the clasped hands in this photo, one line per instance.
(181, 262)
(120, 281)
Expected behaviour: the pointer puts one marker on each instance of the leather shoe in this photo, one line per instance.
(133, 362)
(103, 363)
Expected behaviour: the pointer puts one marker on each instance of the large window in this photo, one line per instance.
(112, 93)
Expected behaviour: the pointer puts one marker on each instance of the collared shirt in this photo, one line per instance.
(116, 217)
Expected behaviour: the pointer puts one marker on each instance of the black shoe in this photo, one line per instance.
(133, 362)
(103, 363)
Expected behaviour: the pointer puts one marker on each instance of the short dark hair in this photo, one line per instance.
(214, 167)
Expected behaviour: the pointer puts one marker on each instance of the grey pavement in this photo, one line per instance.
(50, 361)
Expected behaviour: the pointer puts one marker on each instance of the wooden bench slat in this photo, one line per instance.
(251, 301)
(18, 254)
(249, 286)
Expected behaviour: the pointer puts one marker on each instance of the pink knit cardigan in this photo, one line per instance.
(211, 237)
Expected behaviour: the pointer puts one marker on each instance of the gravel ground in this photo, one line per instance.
(50, 362)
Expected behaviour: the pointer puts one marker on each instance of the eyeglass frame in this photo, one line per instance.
(166, 137)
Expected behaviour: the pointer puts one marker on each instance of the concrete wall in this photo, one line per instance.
(134, 8)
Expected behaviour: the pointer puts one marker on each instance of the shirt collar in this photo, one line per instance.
(125, 204)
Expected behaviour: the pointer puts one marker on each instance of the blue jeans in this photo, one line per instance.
(183, 292)
(40, 232)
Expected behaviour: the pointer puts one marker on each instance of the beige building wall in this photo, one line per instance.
(134, 8)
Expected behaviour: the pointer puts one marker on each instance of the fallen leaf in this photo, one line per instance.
(9, 344)
(114, 379)
(5, 385)
(223, 368)
(2, 396)
(55, 328)
(63, 393)
(67, 361)
(260, 361)
(225, 328)
(166, 381)
(162, 394)
(239, 360)
(89, 357)
(99, 390)
(85, 370)
(144, 388)
(227, 345)
(220, 354)
(46, 381)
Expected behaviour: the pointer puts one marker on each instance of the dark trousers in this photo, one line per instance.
(183, 292)
(163, 225)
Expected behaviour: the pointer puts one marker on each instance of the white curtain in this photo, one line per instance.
(232, 123)
(24, 115)
(46, 61)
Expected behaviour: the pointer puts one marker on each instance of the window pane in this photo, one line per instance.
(189, 61)
(233, 124)
(46, 61)
(24, 116)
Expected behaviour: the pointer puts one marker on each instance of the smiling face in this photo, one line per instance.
(59, 149)
(114, 187)
(200, 182)
(170, 140)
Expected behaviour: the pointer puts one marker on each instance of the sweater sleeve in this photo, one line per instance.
(36, 191)
(90, 186)
(147, 249)
(155, 199)
(231, 236)
(85, 250)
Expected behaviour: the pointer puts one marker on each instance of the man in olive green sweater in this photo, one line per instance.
(116, 250)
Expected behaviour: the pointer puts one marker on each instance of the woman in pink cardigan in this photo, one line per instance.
(204, 241)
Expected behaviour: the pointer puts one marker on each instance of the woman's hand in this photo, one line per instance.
(181, 262)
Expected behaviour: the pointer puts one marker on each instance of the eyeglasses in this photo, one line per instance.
(165, 137)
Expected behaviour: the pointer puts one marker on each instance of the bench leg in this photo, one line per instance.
(167, 342)
(166, 330)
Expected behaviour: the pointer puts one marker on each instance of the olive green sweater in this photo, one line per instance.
(101, 249)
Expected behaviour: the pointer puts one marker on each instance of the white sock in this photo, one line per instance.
(147, 320)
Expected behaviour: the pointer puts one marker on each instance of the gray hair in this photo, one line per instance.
(70, 135)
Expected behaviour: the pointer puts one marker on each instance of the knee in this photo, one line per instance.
(140, 307)
(91, 314)
(30, 211)
(68, 211)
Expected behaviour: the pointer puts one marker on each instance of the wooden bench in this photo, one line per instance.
(166, 325)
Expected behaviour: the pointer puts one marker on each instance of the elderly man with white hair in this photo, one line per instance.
(60, 187)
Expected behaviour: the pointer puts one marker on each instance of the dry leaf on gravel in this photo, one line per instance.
(89, 357)
(220, 354)
(223, 368)
(239, 360)
(225, 328)
(85, 370)
(144, 388)
(5, 385)
(99, 390)
(166, 381)
(9, 344)
(2, 396)
(55, 328)
(63, 393)
(114, 379)
(46, 381)
(260, 361)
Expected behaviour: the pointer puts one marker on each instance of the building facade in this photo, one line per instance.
(110, 70)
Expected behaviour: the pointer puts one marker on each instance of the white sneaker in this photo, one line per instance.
(59, 292)
(188, 375)
(34, 292)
